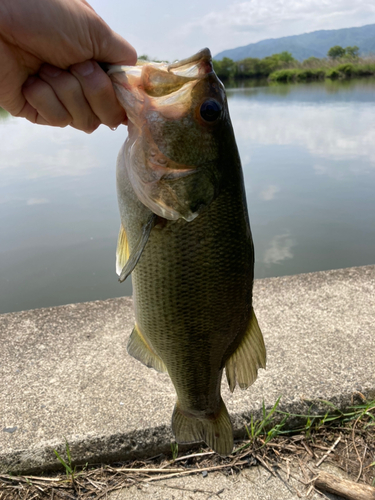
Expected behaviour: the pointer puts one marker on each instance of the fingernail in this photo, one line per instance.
(84, 69)
(49, 70)
(30, 81)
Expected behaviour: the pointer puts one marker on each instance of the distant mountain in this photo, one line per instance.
(303, 46)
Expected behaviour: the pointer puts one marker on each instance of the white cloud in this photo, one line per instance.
(241, 23)
(266, 12)
(179, 29)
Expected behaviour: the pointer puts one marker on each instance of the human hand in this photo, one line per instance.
(48, 68)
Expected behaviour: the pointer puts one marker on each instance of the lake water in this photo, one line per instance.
(308, 154)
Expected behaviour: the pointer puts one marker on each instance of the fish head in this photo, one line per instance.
(178, 115)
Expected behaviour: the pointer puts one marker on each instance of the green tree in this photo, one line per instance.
(336, 52)
(352, 52)
(248, 68)
(285, 57)
(312, 62)
(225, 69)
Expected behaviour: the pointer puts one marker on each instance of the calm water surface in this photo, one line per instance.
(308, 154)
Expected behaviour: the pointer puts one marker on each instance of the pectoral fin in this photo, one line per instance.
(122, 252)
(140, 350)
(132, 260)
(242, 366)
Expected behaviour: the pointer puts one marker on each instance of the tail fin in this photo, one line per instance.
(216, 432)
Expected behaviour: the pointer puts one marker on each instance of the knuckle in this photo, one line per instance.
(60, 120)
(70, 85)
(93, 127)
(89, 127)
(90, 130)
(113, 122)
(65, 123)
(61, 123)
(99, 88)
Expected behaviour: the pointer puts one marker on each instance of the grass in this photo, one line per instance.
(344, 438)
(68, 465)
(325, 69)
(297, 75)
(265, 427)
(174, 450)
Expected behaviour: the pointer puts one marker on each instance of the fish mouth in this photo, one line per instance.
(199, 64)
(191, 67)
(159, 85)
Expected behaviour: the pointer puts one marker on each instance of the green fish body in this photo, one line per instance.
(186, 238)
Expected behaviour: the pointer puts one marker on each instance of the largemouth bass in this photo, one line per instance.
(186, 238)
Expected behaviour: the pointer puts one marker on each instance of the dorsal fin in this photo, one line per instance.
(242, 366)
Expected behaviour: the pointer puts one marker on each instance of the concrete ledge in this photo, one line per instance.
(65, 373)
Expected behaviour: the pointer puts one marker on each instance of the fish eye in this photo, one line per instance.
(210, 110)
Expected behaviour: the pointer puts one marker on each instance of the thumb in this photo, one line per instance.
(110, 47)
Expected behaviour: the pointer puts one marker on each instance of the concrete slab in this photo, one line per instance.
(65, 373)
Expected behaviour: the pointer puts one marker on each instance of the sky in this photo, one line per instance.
(170, 30)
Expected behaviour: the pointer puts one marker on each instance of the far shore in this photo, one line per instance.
(283, 68)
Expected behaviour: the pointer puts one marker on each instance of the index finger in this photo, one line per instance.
(99, 92)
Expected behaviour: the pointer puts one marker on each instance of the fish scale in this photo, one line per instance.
(189, 304)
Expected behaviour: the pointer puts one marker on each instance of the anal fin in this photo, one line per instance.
(242, 366)
(140, 350)
(216, 431)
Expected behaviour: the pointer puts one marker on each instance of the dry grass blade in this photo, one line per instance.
(193, 490)
(194, 455)
(265, 465)
(329, 451)
(361, 465)
(309, 490)
(308, 449)
(217, 493)
(190, 471)
(151, 470)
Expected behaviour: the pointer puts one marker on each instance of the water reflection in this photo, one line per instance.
(32, 152)
(308, 153)
(329, 131)
(269, 192)
(279, 249)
